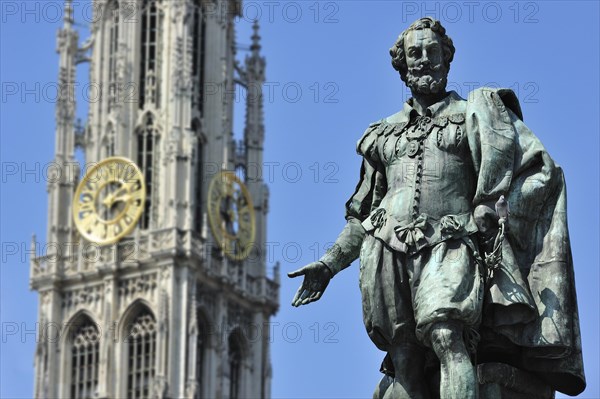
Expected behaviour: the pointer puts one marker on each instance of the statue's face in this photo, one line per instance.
(425, 61)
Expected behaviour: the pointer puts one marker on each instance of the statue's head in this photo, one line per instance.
(422, 55)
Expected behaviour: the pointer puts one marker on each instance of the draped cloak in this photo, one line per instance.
(529, 315)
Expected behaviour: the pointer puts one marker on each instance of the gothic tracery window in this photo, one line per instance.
(147, 146)
(112, 19)
(198, 214)
(149, 52)
(198, 55)
(141, 355)
(85, 358)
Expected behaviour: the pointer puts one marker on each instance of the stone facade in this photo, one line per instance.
(197, 320)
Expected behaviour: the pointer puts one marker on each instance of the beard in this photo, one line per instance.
(433, 80)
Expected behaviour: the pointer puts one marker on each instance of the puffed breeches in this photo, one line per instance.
(404, 295)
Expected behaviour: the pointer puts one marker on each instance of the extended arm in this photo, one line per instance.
(318, 274)
(346, 248)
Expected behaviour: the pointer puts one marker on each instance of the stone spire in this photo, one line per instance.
(60, 189)
(68, 15)
(255, 78)
(255, 46)
(254, 137)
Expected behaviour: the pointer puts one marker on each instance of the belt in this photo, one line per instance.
(410, 236)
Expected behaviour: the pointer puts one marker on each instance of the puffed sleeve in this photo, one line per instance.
(367, 195)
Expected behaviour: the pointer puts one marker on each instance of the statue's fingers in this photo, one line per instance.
(300, 301)
(301, 297)
(311, 298)
(295, 301)
(304, 295)
(296, 273)
(307, 300)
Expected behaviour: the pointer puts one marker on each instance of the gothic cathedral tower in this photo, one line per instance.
(178, 303)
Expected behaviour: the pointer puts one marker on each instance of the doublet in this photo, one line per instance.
(417, 182)
(429, 180)
(414, 204)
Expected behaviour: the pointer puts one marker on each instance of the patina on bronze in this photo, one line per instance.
(459, 219)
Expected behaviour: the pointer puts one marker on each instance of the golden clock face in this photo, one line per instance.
(231, 215)
(109, 200)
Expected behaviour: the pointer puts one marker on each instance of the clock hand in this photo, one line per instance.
(111, 198)
(122, 198)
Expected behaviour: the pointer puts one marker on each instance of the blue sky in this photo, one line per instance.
(329, 76)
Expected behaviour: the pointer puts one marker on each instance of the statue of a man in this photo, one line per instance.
(449, 276)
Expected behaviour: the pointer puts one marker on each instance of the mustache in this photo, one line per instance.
(425, 68)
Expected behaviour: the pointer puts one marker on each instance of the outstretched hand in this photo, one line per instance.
(316, 278)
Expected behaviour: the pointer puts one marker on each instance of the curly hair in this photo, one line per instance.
(397, 50)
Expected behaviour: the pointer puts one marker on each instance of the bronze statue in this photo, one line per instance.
(459, 218)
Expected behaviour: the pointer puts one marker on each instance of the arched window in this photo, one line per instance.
(141, 354)
(84, 358)
(149, 51)
(198, 55)
(112, 19)
(235, 366)
(198, 214)
(147, 146)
